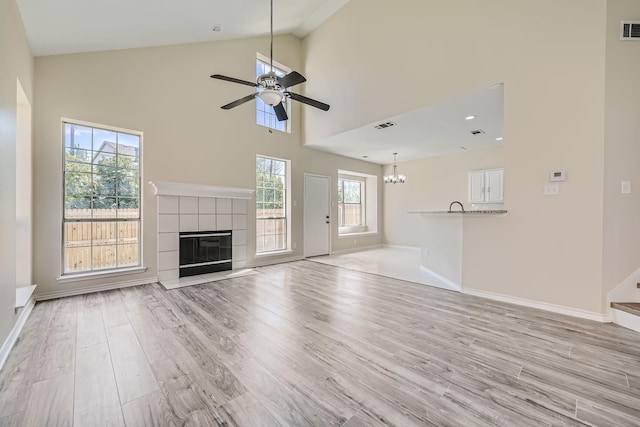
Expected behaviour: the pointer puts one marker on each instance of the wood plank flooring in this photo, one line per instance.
(307, 344)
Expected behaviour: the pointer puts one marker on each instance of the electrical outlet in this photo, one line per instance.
(295, 245)
(355, 241)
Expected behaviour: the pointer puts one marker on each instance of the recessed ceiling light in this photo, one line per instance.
(470, 117)
(217, 28)
(499, 138)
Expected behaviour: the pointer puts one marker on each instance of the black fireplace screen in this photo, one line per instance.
(204, 252)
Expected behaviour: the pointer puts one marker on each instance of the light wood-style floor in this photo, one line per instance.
(311, 344)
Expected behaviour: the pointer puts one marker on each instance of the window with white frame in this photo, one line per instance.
(101, 209)
(265, 116)
(351, 210)
(272, 204)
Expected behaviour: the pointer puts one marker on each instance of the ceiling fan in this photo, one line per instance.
(271, 89)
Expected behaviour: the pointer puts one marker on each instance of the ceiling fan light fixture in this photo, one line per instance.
(271, 97)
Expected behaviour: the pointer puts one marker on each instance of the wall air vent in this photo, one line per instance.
(477, 132)
(630, 30)
(384, 125)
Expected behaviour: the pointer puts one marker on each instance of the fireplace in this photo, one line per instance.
(204, 252)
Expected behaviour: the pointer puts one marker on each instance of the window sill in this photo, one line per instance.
(99, 274)
(274, 253)
(363, 233)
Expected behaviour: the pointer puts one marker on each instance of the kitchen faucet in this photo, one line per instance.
(456, 202)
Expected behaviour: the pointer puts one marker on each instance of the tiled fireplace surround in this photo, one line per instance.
(197, 211)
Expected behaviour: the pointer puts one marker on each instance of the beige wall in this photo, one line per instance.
(166, 93)
(16, 63)
(550, 55)
(622, 148)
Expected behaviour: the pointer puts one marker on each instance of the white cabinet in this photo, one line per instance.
(486, 186)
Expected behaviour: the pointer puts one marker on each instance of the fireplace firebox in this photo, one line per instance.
(205, 252)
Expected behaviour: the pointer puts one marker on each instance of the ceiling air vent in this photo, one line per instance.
(477, 132)
(384, 125)
(630, 30)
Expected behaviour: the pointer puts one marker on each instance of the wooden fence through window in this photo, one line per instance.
(102, 244)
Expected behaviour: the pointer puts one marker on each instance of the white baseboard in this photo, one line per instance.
(625, 319)
(87, 290)
(560, 309)
(414, 248)
(15, 332)
(356, 249)
(266, 261)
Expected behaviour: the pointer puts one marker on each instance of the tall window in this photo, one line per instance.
(350, 206)
(265, 116)
(271, 204)
(101, 218)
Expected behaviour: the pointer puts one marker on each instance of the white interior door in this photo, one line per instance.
(317, 208)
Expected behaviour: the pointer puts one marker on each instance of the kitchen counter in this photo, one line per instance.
(478, 212)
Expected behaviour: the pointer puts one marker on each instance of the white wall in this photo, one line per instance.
(550, 54)
(166, 93)
(16, 63)
(622, 149)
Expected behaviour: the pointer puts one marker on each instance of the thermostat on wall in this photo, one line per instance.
(557, 176)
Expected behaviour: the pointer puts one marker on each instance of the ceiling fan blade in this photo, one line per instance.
(233, 80)
(291, 79)
(309, 101)
(281, 113)
(239, 101)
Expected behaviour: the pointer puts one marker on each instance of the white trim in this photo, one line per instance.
(273, 253)
(99, 274)
(357, 249)
(272, 261)
(198, 190)
(8, 344)
(415, 248)
(363, 233)
(625, 319)
(554, 308)
(453, 285)
(23, 295)
(98, 288)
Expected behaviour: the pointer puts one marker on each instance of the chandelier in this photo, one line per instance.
(394, 178)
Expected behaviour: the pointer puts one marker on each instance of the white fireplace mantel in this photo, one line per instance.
(198, 190)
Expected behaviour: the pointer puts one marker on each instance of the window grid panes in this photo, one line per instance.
(265, 116)
(271, 205)
(350, 202)
(101, 218)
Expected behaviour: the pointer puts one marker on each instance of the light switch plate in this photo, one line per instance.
(551, 190)
(626, 187)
